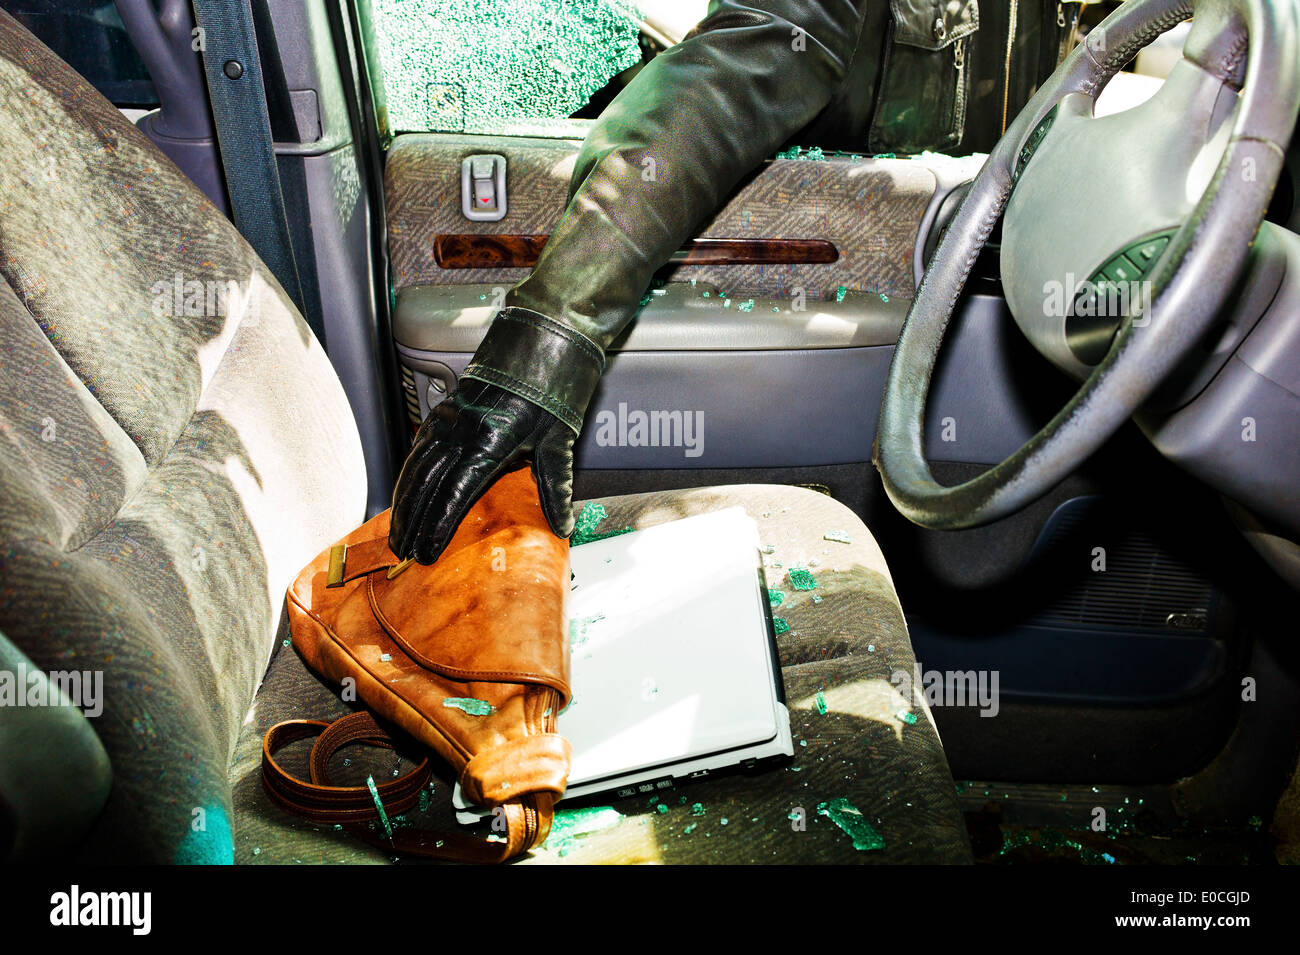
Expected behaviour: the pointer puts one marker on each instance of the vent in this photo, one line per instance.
(1142, 588)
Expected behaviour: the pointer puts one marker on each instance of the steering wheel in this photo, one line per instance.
(1163, 200)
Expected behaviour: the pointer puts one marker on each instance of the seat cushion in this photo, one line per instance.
(174, 446)
(872, 756)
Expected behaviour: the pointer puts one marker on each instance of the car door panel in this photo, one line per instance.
(762, 354)
(698, 372)
(869, 209)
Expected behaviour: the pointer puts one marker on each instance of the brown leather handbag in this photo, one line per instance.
(468, 656)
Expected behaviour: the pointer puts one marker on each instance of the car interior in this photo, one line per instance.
(1097, 523)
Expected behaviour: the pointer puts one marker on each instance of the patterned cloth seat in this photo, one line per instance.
(874, 751)
(174, 446)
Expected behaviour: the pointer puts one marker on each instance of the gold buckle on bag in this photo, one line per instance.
(398, 568)
(338, 558)
(338, 561)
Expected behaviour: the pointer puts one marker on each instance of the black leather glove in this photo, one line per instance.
(467, 441)
(482, 429)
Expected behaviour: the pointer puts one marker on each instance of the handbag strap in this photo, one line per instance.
(527, 818)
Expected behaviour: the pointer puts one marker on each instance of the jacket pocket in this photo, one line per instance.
(921, 100)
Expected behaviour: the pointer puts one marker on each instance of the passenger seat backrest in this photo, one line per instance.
(174, 447)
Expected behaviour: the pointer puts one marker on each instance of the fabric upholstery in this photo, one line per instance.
(862, 749)
(174, 446)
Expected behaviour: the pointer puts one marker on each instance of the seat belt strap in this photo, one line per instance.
(238, 95)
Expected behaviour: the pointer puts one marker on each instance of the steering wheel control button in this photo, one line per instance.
(1032, 143)
(1109, 296)
(1145, 253)
(1120, 269)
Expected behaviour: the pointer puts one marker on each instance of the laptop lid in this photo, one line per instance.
(673, 659)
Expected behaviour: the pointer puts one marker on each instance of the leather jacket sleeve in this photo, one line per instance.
(657, 163)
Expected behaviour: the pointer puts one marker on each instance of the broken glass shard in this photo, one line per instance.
(468, 705)
(850, 819)
(801, 579)
(379, 805)
(464, 66)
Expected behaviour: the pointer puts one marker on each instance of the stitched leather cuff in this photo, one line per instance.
(541, 360)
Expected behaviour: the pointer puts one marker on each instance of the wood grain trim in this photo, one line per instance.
(472, 251)
(485, 251)
(757, 252)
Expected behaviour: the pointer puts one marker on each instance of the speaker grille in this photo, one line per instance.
(1143, 587)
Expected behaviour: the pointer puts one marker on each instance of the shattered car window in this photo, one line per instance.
(479, 65)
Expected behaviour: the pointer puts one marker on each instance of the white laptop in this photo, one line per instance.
(674, 668)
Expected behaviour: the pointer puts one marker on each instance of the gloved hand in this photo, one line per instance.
(486, 426)
(467, 441)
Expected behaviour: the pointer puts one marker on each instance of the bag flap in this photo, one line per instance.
(933, 24)
(491, 609)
